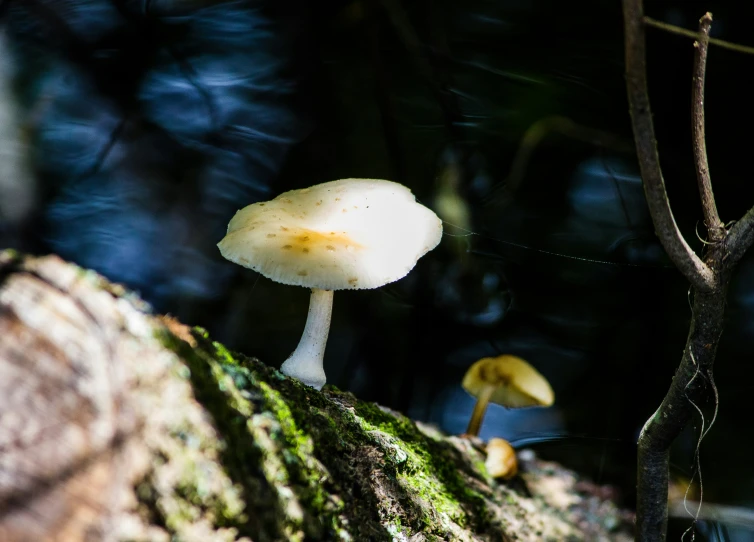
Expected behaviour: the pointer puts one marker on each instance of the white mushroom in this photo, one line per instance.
(346, 234)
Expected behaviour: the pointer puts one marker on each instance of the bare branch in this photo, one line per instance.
(709, 279)
(711, 218)
(745, 49)
(700, 276)
(740, 238)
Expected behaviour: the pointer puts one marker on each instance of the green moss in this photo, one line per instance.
(223, 355)
(268, 422)
(231, 428)
(199, 331)
(261, 434)
(427, 467)
(309, 472)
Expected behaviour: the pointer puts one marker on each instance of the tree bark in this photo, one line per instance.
(709, 277)
(118, 425)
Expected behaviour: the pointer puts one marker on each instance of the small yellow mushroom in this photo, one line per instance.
(505, 380)
(501, 459)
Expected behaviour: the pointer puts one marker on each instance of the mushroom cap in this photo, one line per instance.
(518, 383)
(346, 234)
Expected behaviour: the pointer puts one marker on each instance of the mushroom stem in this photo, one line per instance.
(483, 399)
(306, 362)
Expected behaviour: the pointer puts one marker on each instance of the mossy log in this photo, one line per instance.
(119, 425)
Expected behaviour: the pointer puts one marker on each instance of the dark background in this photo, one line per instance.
(130, 132)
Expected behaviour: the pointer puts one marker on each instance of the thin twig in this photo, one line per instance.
(745, 49)
(666, 228)
(711, 217)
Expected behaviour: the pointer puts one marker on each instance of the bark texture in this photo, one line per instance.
(119, 425)
(709, 276)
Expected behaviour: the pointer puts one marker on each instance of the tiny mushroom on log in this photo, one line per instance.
(505, 380)
(347, 234)
(501, 459)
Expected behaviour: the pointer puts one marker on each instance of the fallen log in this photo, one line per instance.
(120, 425)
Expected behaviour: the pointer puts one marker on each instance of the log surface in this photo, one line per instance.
(119, 425)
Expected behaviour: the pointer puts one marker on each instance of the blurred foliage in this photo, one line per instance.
(150, 123)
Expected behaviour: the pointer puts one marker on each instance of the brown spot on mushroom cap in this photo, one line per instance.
(270, 235)
(305, 240)
(353, 280)
(302, 273)
(287, 247)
